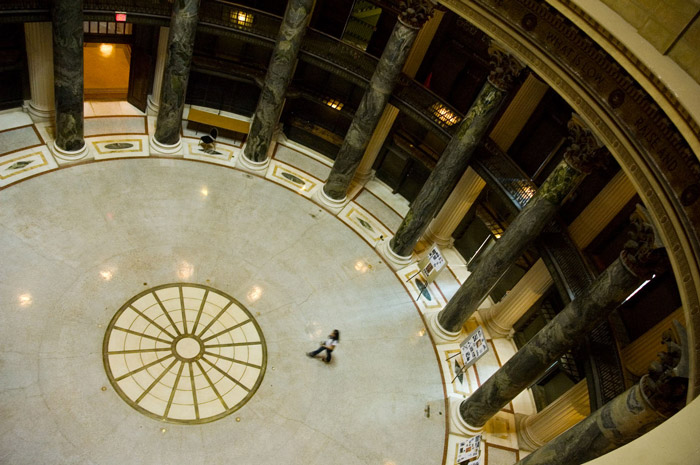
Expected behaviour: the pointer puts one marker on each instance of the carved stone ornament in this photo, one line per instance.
(504, 68)
(584, 153)
(415, 13)
(665, 387)
(644, 255)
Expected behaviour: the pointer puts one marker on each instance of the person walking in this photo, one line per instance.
(328, 346)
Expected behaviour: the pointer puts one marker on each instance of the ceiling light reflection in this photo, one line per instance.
(106, 275)
(204, 191)
(254, 293)
(25, 300)
(185, 270)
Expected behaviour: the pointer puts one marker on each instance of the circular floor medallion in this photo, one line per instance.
(184, 353)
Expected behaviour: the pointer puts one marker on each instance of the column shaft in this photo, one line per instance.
(455, 157)
(154, 98)
(457, 205)
(500, 318)
(559, 335)
(364, 170)
(520, 234)
(183, 26)
(39, 42)
(566, 411)
(68, 73)
(618, 422)
(602, 209)
(518, 112)
(370, 110)
(422, 43)
(279, 74)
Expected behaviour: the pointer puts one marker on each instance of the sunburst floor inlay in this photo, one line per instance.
(184, 353)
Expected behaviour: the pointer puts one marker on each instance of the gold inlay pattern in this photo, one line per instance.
(184, 353)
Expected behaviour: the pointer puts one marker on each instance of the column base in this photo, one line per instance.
(329, 203)
(255, 167)
(158, 148)
(457, 423)
(495, 330)
(69, 155)
(152, 106)
(440, 334)
(442, 242)
(395, 261)
(39, 115)
(525, 441)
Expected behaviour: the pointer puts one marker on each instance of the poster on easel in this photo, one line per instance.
(469, 449)
(473, 347)
(432, 264)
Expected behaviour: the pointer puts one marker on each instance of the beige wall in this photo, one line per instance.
(671, 26)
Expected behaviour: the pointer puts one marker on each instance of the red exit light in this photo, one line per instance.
(120, 17)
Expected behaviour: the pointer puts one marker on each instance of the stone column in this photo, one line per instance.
(68, 79)
(503, 134)
(38, 37)
(643, 256)
(457, 205)
(656, 397)
(154, 98)
(602, 210)
(413, 62)
(536, 430)
(500, 318)
(579, 159)
(455, 158)
(279, 74)
(414, 15)
(183, 26)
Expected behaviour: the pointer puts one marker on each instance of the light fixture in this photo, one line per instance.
(444, 115)
(333, 103)
(106, 49)
(241, 18)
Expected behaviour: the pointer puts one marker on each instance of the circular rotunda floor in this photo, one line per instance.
(79, 243)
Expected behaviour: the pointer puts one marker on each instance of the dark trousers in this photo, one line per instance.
(321, 349)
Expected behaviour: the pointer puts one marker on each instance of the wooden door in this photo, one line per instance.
(143, 59)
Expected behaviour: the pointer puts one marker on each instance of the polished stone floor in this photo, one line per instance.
(79, 241)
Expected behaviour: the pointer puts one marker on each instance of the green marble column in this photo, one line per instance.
(644, 406)
(581, 156)
(279, 74)
(68, 73)
(455, 158)
(415, 13)
(643, 256)
(183, 26)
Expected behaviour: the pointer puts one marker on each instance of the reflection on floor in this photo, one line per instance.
(356, 280)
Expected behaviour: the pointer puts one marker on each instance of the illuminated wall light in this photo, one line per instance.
(334, 104)
(444, 114)
(242, 18)
(106, 49)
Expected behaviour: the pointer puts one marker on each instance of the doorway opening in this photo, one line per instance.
(107, 60)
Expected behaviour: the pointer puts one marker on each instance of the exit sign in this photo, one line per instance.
(120, 17)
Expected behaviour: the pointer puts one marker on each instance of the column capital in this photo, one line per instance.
(504, 68)
(415, 13)
(584, 152)
(665, 387)
(644, 254)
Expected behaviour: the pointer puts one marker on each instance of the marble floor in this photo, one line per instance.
(110, 264)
